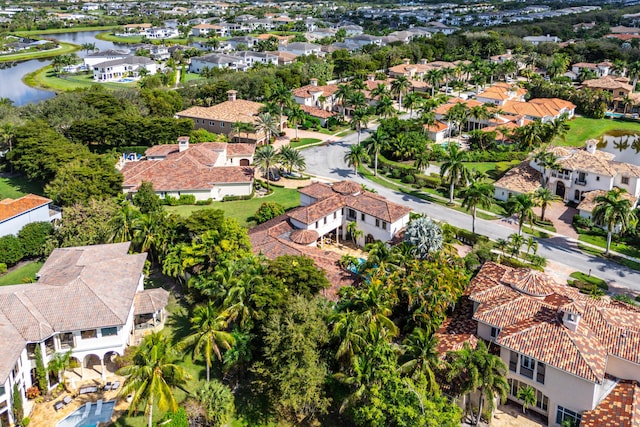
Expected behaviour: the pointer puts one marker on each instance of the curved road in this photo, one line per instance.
(327, 162)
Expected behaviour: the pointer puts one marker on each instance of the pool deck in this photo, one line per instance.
(44, 415)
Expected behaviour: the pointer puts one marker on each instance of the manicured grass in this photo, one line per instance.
(601, 241)
(63, 49)
(591, 280)
(343, 134)
(108, 36)
(18, 186)
(76, 29)
(493, 170)
(24, 274)
(45, 78)
(622, 261)
(304, 141)
(583, 128)
(193, 76)
(243, 210)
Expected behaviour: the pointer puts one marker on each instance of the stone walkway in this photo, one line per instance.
(512, 416)
(562, 217)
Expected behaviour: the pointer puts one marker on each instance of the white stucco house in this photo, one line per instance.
(88, 300)
(15, 214)
(579, 354)
(105, 55)
(314, 95)
(301, 48)
(210, 170)
(117, 69)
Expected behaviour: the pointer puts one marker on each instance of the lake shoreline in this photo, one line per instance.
(29, 33)
(63, 49)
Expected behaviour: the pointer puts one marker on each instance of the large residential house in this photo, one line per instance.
(95, 58)
(117, 69)
(220, 118)
(315, 96)
(88, 300)
(601, 69)
(619, 88)
(577, 353)
(215, 60)
(15, 214)
(417, 71)
(301, 48)
(210, 170)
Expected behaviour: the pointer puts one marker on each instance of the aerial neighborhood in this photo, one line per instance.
(319, 214)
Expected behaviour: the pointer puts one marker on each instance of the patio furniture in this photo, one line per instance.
(87, 409)
(116, 385)
(107, 386)
(98, 407)
(87, 390)
(58, 406)
(67, 400)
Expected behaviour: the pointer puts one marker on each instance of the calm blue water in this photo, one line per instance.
(78, 419)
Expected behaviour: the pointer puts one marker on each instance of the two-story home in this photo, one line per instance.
(88, 300)
(586, 170)
(601, 69)
(573, 350)
(215, 60)
(16, 213)
(316, 96)
(362, 40)
(618, 87)
(301, 48)
(210, 170)
(117, 69)
(106, 55)
(220, 118)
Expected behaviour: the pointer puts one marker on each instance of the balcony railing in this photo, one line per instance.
(579, 182)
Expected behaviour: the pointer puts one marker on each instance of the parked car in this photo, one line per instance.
(273, 175)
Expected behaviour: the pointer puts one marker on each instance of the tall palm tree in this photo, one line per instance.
(421, 356)
(357, 100)
(59, 363)
(434, 78)
(291, 159)
(385, 108)
(343, 94)
(400, 87)
(421, 161)
(282, 97)
(522, 205)
(153, 375)
(453, 167)
(477, 194)
(359, 120)
(296, 116)
(492, 377)
(123, 224)
(266, 124)
(543, 197)
(411, 101)
(265, 157)
(376, 142)
(208, 334)
(355, 157)
(379, 91)
(613, 210)
(547, 161)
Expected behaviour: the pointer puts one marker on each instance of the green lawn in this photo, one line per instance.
(193, 76)
(108, 36)
(17, 187)
(304, 141)
(24, 274)
(63, 49)
(591, 280)
(583, 128)
(622, 261)
(493, 170)
(601, 241)
(45, 78)
(63, 30)
(243, 210)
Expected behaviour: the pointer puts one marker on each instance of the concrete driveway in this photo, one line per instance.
(561, 216)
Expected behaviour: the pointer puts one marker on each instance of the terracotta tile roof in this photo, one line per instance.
(192, 169)
(240, 149)
(347, 187)
(239, 110)
(621, 408)
(10, 208)
(521, 179)
(457, 329)
(317, 190)
(377, 206)
(580, 159)
(162, 150)
(609, 83)
(438, 126)
(318, 210)
(589, 202)
(521, 108)
(79, 288)
(150, 301)
(304, 237)
(554, 103)
(308, 90)
(530, 282)
(317, 112)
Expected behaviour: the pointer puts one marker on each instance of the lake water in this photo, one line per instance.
(625, 146)
(11, 85)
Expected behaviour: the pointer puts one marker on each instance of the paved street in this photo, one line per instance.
(328, 162)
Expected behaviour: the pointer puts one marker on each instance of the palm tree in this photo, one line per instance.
(548, 161)
(543, 197)
(152, 376)
(385, 108)
(522, 205)
(123, 224)
(516, 241)
(88, 47)
(399, 87)
(282, 97)
(532, 245)
(291, 159)
(265, 157)
(355, 157)
(477, 194)
(208, 334)
(422, 357)
(528, 396)
(433, 77)
(236, 129)
(453, 167)
(359, 120)
(59, 363)
(342, 95)
(492, 379)
(357, 100)
(421, 161)
(296, 116)
(377, 142)
(379, 91)
(411, 101)
(613, 210)
(354, 231)
(266, 124)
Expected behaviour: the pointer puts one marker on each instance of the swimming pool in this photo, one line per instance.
(87, 416)
(126, 80)
(614, 115)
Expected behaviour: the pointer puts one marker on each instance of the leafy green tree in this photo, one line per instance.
(613, 210)
(477, 194)
(11, 250)
(146, 198)
(203, 220)
(522, 205)
(355, 157)
(33, 237)
(292, 371)
(267, 211)
(86, 224)
(453, 168)
(298, 273)
(41, 370)
(217, 401)
(208, 334)
(424, 235)
(152, 376)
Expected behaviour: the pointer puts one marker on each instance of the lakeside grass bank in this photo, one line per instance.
(45, 78)
(63, 49)
(28, 33)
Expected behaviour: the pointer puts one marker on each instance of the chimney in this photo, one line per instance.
(314, 82)
(406, 61)
(371, 77)
(183, 143)
(571, 317)
(508, 51)
(423, 61)
(231, 95)
(591, 146)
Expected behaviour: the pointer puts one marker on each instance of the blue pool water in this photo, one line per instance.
(615, 115)
(78, 418)
(126, 80)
